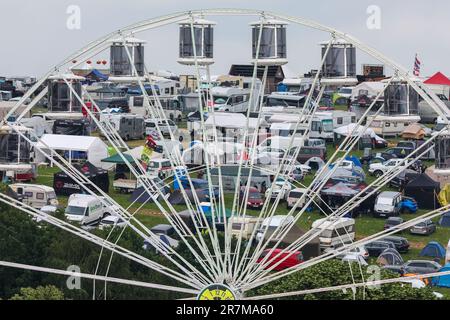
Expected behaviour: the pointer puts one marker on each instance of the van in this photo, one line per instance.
(294, 196)
(34, 195)
(85, 209)
(306, 153)
(334, 232)
(388, 204)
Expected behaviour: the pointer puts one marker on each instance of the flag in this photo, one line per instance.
(417, 65)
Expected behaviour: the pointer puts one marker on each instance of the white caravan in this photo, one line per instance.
(231, 99)
(35, 195)
(391, 126)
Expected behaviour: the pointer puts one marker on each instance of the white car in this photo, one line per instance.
(378, 169)
(110, 221)
(354, 257)
(279, 186)
(361, 251)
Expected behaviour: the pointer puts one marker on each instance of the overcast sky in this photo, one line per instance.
(35, 36)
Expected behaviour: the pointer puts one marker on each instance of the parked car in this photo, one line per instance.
(307, 153)
(375, 248)
(255, 199)
(279, 186)
(425, 228)
(291, 259)
(165, 229)
(360, 251)
(294, 196)
(401, 244)
(388, 204)
(112, 221)
(421, 266)
(378, 169)
(393, 153)
(392, 223)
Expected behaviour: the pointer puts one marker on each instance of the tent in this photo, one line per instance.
(438, 79)
(425, 191)
(93, 148)
(442, 281)
(176, 197)
(434, 250)
(413, 131)
(140, 195)
(444, 221)
(390, 257)
(340, 190)
(96, 76)
(65, 185)
(444, 195)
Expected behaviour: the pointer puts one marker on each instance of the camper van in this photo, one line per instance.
(34, 195)
(334, 233)
(391, 126)
(231, 99)
(324, 123)
(281, 136)
(129, 127)
(170, 105)
(85, 209)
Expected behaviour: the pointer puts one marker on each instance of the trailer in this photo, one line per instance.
(129, 127)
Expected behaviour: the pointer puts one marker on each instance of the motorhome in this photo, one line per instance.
(85, 209)
(324, 123)
(427, 113)
(34, 195)
(231, 99)
(129, 127)
(285, 136)
(391, 126)
(170, 105)
(334, 233)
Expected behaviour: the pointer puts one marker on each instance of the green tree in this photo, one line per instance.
(39, 293)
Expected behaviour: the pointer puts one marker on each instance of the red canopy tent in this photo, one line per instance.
(438, 79)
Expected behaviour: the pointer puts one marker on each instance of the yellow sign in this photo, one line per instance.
(216, 292)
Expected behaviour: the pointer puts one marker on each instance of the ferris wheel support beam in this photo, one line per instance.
(260, 247)
(298, 244)
(95, 277)
(99, 241)
(203, 247)
(347, 145)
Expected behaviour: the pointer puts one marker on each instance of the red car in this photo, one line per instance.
(255, 198)
(292, 259)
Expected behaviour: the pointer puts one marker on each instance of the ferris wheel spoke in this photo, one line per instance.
(39, 215)
(94, 277)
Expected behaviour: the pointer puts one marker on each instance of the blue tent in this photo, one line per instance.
(442, 281)
(433, 249)
(355, 160)
(96, 75)
(445, 220)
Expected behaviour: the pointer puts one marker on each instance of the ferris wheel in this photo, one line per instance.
(229, 258)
